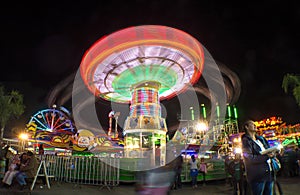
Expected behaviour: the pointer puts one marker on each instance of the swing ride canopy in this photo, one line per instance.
(116, 63)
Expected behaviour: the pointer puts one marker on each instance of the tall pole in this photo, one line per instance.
(116, 115)
(203, 111)
(110, 124)
(116, 127)
(111, 115)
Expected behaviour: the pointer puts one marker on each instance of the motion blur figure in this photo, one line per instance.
(178, 170)
(155, 182)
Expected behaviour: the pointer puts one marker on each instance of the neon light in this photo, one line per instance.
(235, 112)
(59, 122)
(192, 113)
(140, 74)
(37, 120)
(218, 111)
(139, 54)
(65, 122)
(52, 120)
(229, 111)
(204, 111)
(288, 141)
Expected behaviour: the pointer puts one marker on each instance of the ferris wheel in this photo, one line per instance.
(51, 123)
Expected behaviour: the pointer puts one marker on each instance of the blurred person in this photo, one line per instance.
(178, 171)
(259, 173)
(293, 162)
(194, 171)
(277, 185)
(227, 161)
(23, 159)
(297, 161)
(27, 169)
(156, 181)
(41, 149)
(3, 159)
(289, 159)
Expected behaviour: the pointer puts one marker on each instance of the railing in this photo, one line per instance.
(83, 170)
(106, 172)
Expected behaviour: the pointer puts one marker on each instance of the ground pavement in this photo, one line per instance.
(291, 186)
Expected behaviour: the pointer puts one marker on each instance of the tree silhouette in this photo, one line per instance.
(292, 82)
(11, 106)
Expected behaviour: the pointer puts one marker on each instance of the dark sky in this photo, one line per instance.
(42, 43)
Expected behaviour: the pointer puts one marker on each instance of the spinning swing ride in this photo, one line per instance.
(142, 66)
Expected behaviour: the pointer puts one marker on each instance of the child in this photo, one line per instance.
(203, 169)
(193, 171)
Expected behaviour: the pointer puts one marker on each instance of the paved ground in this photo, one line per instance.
(291, 186)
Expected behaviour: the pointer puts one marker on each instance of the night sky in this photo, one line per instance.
(43, 43)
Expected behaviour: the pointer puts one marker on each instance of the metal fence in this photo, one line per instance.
(106, 172)
(83, 170)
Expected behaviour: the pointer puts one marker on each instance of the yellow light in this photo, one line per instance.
(201, 126)
(23, 136)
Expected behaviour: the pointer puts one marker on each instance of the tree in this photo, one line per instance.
(11, 107)
(292, 81)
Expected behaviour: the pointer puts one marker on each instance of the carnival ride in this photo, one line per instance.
(53, 126)
(143, 65)
(204, 142)
(228, 80)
